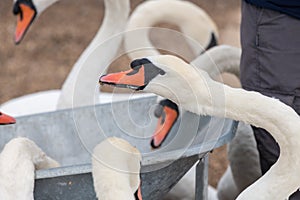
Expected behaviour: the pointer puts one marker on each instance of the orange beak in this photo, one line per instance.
(139, 194)
(165, 123)
(133, 79)
(5, 119)
(25, 18)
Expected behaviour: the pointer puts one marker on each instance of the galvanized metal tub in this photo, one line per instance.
(69, 136)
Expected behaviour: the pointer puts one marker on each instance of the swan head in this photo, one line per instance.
(167, 113)
(137, 78)
(6, 119)
(26, 12)
(164, 75)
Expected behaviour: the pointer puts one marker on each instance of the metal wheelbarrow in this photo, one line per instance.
(69, 136)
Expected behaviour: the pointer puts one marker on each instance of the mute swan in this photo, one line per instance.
(6, 119)
(196, 92)
(238, 176)
(18, 162)
(115, 20)
(116, 170)
(196, 25)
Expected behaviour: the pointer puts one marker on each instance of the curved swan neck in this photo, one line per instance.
(196, 25)
(117, 186)
(261, 111)
(96, 57)
(18, 161)
(220, 59)
(283, 123)
(116, 176)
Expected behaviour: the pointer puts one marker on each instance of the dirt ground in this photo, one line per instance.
(44, 58)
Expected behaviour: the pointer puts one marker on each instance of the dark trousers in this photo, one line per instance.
(270, 64)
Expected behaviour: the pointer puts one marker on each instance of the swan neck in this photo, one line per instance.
(278, 119)
(81, 86)
(41, 5)
(219, 60)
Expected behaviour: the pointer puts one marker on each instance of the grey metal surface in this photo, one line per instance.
(201, 192)
(69, 136)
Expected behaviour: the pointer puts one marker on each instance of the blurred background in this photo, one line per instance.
(46, 55)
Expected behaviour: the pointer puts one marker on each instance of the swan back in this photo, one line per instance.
(116, 169)
(18, 161)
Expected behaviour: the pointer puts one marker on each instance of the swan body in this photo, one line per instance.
(196, 25)
(18, 162)
(116, 169)
(201, 95)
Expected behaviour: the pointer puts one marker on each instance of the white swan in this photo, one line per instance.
(196, 25)
(6, 119)
(18, 162)
(114, 22)
(217, 60)
(242, 151)
(116, 169)
(196, 92)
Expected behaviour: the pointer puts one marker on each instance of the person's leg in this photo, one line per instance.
(270, 65)
(267, 147)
